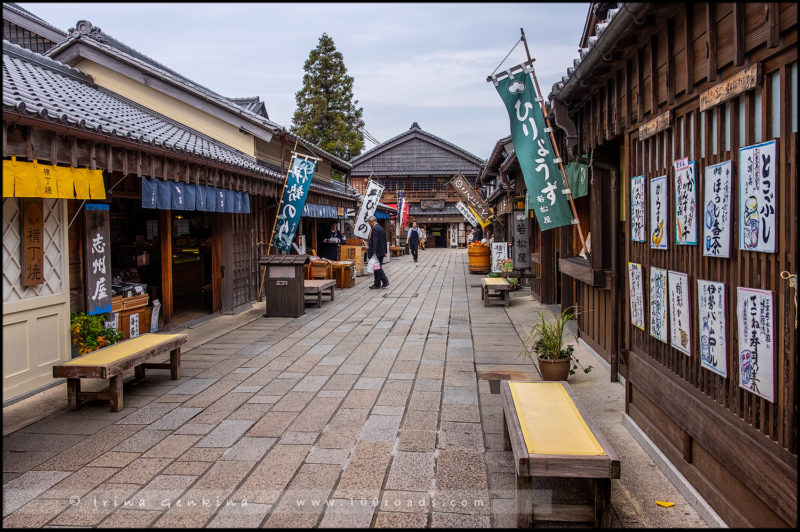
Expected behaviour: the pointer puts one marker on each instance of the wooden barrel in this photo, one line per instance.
(479, 259)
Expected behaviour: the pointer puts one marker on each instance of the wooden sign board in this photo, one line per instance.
(32, 242)
(97, 264)
(745, 80)
(471, 198)
(656, 125)
(522, 244)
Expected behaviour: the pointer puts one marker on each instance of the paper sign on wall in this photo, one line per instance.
(658, 213)
(756, 342)
(711, 323)
(638, 206)
(658, 304)
(680, 329)
(636, 295)
(717, 210)
(685, 203)
(758, 179)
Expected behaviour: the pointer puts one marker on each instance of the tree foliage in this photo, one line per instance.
(326, 113)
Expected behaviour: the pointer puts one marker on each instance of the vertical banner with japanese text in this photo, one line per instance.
(535, 153)
(401, 206)
(464, 210)
(97, 264)
(499, 254)
(32, 241)
(758, 180)
(294, 199)
(756, 341)
(717, 214)
(522, 244)
(371, 199)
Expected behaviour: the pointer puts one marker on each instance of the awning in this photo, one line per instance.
(172, 195)
(314, 210)
(24, 179)
(382, 215)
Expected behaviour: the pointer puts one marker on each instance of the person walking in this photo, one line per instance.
(377, 248)
(414, 235)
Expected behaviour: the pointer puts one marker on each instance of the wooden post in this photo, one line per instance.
(165, 233)
(552, 138)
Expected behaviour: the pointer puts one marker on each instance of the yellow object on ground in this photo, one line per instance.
(550, 421)
(123, 349)
(665, 504)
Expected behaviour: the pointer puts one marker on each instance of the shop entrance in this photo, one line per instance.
(191, 266)
(437, 236)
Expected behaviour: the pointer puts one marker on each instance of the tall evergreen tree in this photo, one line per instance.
(326, 113)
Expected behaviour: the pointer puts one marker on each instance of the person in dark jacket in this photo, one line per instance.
(377, 248)
(413, 240)
(478, 234)
(331, 240)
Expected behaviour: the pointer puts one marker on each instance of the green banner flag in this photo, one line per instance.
(534, 150)
(578, 179)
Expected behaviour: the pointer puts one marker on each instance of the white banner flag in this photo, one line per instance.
(467, 214)
(368, 206)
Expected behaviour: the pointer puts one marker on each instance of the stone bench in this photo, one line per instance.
(497, 284)
(551, 436)
(318, 287)
(110, 362)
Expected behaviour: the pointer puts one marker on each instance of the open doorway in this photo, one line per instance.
(191, 266)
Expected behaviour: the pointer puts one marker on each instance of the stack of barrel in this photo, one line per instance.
(479, 258)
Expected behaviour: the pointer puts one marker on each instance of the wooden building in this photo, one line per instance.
(95, 103)
(673, 95)
(421, 165)
(22, 27)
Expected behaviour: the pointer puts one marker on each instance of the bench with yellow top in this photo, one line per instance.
(499, 286)
(551, 436)
(110, 363)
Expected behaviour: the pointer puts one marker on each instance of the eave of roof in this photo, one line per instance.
(24, 13)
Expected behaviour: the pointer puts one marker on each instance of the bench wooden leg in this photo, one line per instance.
(524, 502)
(332, 289)
(73, 390)
(506, 297)
(319, 299)
(506, 438)
(139, 372)
(174, 364)
(602, 502)
(485, 297)
(115, 393)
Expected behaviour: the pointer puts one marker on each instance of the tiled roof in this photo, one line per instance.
(412, 130)
(254, 105)
(25, 13)
(35, 85)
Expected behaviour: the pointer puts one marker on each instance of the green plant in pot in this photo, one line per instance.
(557, 360)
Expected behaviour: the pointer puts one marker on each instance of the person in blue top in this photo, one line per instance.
(413, 240)
(377, 248)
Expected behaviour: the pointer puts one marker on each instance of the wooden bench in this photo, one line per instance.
(497, 284)
(551, 436)
(396, 251)
(110, 362)
(318, 287)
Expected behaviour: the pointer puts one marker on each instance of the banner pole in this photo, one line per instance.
(553, 140)
(275, 221)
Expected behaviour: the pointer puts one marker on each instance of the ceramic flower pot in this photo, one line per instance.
(554, 369)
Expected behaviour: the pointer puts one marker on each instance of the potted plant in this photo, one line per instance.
(89, 333)
(557, 361)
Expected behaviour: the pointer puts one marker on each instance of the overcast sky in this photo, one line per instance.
(424, 63)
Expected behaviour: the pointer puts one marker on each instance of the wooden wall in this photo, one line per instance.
(737, 449)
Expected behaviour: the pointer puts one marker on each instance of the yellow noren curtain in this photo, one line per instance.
(81, 183)
(33, 180)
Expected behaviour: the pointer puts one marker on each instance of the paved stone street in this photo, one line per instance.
(378, 410)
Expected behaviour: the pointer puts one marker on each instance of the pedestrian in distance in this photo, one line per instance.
(414, 236)
(377, 248)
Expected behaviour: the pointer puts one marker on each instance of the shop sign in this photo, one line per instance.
(522, 244)
(32, 246)
(658, 212)
(467, 213)
(685, 203)
(680, 330)
(368, 206)
(504, 206)
(97, 250)
(154, 316)
(471, 198)
(717, 212)
(745, 80)
(499, 254)
(758, 176)
(756, 342)
(636, 294)
(658, 304)
(711, 321)
(656, 125)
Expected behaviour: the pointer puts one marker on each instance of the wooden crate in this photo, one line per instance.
(144, 313)
(345, 274)
(320, 270)
(116, 303)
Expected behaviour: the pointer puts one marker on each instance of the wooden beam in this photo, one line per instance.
(711, 40)
(774, 25)
(670, 62)
(640, 85)
(738, 33)
(689, 29)
(165, 234)
(654, 73)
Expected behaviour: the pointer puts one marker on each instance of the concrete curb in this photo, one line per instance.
(695, 500)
